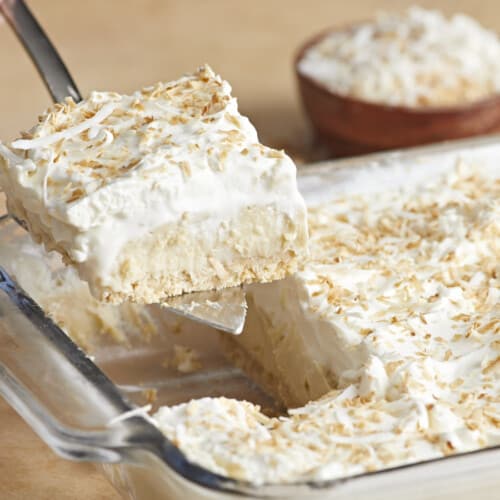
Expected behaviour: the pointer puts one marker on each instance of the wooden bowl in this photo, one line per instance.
(350, 126)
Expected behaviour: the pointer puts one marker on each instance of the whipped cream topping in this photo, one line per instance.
(98, 174)
(398, 309)
(417, 59)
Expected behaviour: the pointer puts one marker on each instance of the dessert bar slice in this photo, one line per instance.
(158, 193)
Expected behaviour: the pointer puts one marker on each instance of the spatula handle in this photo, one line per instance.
(43, 54)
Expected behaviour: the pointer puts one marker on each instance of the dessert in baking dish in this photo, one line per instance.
(394, 279)
(391, 328)
(418, 59)
(158, 193)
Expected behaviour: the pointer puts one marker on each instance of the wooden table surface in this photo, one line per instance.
(124, 44)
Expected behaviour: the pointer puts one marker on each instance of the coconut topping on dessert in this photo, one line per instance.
(416, 59)
(394, 325)
(157, 193)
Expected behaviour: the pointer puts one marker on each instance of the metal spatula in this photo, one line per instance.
(223, 309)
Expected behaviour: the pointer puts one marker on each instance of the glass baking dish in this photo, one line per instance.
(72, 398)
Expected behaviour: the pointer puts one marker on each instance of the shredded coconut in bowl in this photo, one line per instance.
(416, 59)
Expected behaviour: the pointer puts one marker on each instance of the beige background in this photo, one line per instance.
(124, 44)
